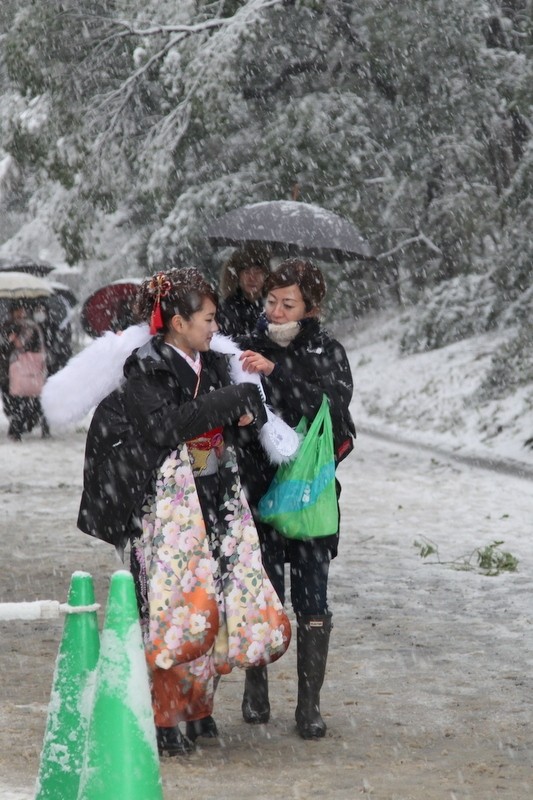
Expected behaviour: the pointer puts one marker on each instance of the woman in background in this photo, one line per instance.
(22, 334)
(241, 286)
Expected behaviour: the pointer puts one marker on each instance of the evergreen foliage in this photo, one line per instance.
(412, 119)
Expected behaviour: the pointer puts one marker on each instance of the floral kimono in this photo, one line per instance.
(210, 605)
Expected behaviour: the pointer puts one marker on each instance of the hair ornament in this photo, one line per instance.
(158, 287)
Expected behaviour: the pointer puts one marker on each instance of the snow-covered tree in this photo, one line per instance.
(150, 119)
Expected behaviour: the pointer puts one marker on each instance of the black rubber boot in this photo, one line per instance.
(205, 727)
(312, 643)
(171, 742)
(255, 705)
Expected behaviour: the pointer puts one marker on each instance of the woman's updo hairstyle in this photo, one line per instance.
(305, 275)
(171, 292)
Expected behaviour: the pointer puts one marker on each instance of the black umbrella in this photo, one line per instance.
(289, 227)
(22, 264)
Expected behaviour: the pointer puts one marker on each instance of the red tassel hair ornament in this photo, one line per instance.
(158, 287)
(156, 320)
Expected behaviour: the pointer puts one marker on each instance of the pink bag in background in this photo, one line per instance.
(27, 374)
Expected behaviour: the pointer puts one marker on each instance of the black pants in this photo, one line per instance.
(309, 567)
(23, 413)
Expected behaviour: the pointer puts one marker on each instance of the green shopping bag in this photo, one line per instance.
(301, 502)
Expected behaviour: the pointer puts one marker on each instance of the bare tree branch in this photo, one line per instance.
(421, 237)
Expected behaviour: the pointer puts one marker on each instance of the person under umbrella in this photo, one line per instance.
(241, 287)
(20, 334)
(299, 362)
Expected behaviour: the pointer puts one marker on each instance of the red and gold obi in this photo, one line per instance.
(204, 452)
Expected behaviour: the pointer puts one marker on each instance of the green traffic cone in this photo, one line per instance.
(121, 760)
(70, 701)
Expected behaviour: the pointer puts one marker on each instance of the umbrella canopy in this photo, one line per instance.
(23, 285)
(23, 264)
(289, 227)
(31, 291)
(110, 307)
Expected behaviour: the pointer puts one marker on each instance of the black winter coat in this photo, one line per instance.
(135, 427)
(313, 364)
(237, 316)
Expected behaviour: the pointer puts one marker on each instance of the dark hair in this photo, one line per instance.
(305, 275)
(251, 255)
(180, 291)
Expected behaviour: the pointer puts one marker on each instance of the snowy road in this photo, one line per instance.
(429, 689)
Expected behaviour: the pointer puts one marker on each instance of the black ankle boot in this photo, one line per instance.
(171, 742)
(255, 705)
(312, 643)
(205, 727)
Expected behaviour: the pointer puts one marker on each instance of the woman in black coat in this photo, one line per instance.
(159, 473)
(299, 362)
(241, 287)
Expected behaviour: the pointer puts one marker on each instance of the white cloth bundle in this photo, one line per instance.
(280, 442)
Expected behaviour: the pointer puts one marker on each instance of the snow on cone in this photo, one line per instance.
(70, 701)
(121, 760)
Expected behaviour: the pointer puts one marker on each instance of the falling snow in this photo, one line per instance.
(428, 690)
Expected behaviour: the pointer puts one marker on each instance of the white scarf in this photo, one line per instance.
(283, 334)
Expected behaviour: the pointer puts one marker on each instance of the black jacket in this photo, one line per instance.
(135, 427)
(237, 316)
(313, 364)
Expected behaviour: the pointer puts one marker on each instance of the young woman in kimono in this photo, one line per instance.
(160, 472)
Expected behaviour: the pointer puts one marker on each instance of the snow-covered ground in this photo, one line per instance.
(428, 691)
(428, 397)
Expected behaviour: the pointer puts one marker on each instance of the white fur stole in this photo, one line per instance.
(70, 394)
